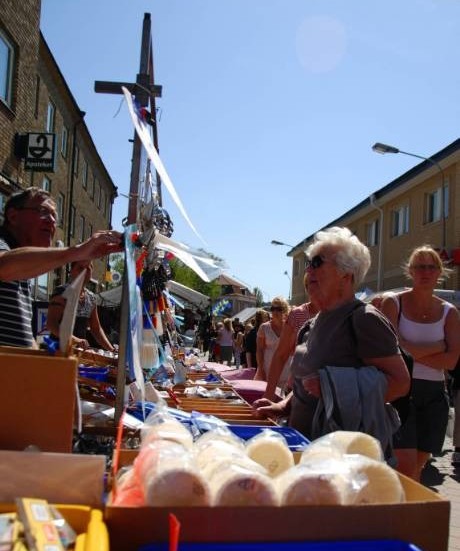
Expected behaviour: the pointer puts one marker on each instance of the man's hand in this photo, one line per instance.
(101, 243)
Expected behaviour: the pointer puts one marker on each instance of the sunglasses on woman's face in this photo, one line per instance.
(316, 262)
(276, 309)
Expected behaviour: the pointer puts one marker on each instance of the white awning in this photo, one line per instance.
(112, 297)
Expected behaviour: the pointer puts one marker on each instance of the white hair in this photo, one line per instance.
(352, 255)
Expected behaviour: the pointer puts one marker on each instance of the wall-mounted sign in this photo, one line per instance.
(40, 151)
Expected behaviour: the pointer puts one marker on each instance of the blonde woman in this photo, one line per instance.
(268, 337)
(429, 329)
(225, 337)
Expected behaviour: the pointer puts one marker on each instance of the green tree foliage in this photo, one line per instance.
(183, 274)
(259, 296)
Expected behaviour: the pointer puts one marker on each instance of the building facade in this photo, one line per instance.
(422, 206)
(35, 99)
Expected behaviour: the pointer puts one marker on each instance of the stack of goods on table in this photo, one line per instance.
(223, 488)
(218, 468)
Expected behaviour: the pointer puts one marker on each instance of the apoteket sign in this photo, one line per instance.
(40, 151)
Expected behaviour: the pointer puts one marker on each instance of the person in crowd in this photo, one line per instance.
(238, 337)
(268, 338)
(226, 341)
(247, 327)
(215, 340)
(86, 318)
(429, 329)
(25, 252)
(338, 263)
(455, 389)
(251, 338)
(297, 317)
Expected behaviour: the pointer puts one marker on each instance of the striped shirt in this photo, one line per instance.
(15, 305)
(298, 316)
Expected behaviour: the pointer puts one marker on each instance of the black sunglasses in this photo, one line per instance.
(276, 308)
(316, 262)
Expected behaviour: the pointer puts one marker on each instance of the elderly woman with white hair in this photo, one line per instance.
(345, 333)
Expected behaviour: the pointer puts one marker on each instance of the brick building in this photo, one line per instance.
(400, 216)
(35, 98)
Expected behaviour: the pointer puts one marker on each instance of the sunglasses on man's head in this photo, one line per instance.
(276, 308)
(316, 262)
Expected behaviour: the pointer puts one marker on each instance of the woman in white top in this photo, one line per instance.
(268, 337)
(429, 329)
(225, 339)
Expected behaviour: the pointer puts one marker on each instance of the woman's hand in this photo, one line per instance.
(264, 408)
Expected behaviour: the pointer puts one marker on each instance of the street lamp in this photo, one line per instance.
(290, 284)
(275, 242)
(384, 148)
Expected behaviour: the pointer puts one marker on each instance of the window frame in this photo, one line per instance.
(50, 116)
(433, 203)
(400, 220)
(47, 181)
(60, 204)
(82, 228)
(72, 220)
(373, 233)
(9, 70)
(64, 141)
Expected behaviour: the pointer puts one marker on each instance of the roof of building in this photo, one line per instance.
(394, 184)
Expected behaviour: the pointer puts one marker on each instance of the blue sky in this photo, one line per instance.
(269, 107)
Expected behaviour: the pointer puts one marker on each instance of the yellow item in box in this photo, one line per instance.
(92, 534)
(39, 528)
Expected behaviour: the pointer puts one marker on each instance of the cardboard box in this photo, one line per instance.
(57, 477)
(422, 520)
(37, 400)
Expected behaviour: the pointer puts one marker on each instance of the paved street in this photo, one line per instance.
(442, 477)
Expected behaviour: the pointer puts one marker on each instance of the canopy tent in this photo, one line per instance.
(245, 314)
(112, 297)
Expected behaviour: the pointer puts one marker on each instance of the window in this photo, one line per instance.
(82, 228)
(3, 199)
(107, 208)
(400, 221)
(60, 208)
(37, 96)
(46, 184)
(91, 187)
(90, 230)
(85, 174)
(97, 195)
(72, 220)
(6, 69)
(42, 284)
(76, 160)
(372, 233)
(433, 204)
(64, 141)
(50, 114)
(102, 201)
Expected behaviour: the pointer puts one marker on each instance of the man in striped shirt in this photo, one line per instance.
(25, 253)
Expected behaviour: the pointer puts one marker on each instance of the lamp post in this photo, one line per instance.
(384, 148)
(275, 242)
(290, 284)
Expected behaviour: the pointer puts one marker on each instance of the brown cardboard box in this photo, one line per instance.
(423, 520)
(57, 477)
(37, 400)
